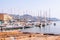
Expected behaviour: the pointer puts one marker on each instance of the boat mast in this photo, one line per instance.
(40, 16)
(46, 18)
(49, 15)
(49, 19)
(2, 10)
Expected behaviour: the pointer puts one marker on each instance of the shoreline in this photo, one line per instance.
(17, 35)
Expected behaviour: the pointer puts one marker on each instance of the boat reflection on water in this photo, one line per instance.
(47, 29)
(54, 24)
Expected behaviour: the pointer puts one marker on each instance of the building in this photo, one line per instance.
(4, 18)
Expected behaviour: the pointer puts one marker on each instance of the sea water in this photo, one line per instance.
(55, 29)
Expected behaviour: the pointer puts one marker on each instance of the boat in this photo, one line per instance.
(9, 27)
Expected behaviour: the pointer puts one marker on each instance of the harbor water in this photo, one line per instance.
(55, 29)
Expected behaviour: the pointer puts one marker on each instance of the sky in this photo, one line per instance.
(31, 7)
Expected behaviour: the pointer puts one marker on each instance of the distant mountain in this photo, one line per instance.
(33, 18)
(53, 19)
(15, 16)
(28, 17)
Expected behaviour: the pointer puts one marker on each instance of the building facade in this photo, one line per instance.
(5, 17)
